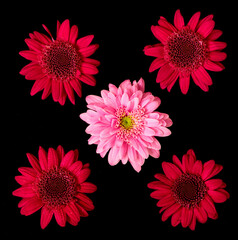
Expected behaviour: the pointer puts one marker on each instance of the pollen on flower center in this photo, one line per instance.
(60, 60)
(129, 124)
(56, 187)
(189, 189)
(185, 50)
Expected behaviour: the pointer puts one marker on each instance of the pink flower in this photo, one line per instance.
(123, 121)
(59, 66)
(186, 191)
(186, 51)
(56, 184)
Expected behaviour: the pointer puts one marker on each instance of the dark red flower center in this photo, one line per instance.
(56, 187)
(60, 60)
(185, 50)
(189, 189)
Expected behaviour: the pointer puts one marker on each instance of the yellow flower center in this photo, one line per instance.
(126, 122)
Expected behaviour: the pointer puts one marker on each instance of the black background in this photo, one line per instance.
(203, 121)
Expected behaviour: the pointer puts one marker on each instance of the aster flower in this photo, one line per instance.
(186, 191)
(124, 122)
(56, 184)
(59, 66)
(186, 51)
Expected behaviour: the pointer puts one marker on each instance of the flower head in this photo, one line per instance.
(56, 184)
(186, 51)
(59, 66)
(124, 122)
(186, 191)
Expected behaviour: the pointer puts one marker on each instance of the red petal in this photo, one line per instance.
(53, 160)
(207, 169)
(201, 214)
(85, 41)
(88, 51)
(157, 63)
(164, 73)
(64, 30)
(73, 34)
(88, 68)
(32, 206)
(169, 211)
(216, 45)
(209, 207)
(171, 171)
(60, 216)
(215, 34)
(88, 79)
(161, 33)
(164, 23)
(184, 83)
(76, 167)
(83, 175)
(218, 196)
(194, 21)
(213, 66)
(217, 56)
(55, 90)
(87, 187)
(69, 91)
(156, 50)
(213, 184)
(206, 28)
(186, 217)
(163, 179)
(34, 162)
(38, 85)
(76, 85)
(67, 159)
(46, 216)
(24, 192)
(178, 20)
(30, 55)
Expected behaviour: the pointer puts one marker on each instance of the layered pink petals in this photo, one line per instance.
(165, 190)
(170, 71)
(63, 83)
(55, 160)
(133, 143)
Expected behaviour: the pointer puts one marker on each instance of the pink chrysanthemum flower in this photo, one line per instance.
(55, 184)
(124, 121)
(186, 51)
(58, 66)
(186, 191)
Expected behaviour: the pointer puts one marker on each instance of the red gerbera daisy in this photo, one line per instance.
(59, 66)
(186, 51)
(56, 184)
(187, 192)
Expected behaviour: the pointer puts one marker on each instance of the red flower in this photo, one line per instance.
(186, 51)
(186, 191)
(58, 66)
(55, 184)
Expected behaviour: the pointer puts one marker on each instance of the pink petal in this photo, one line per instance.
(113, 156)
(46, 216)
(148, 131)
(194, 21)
(171, 171)
(64, 31)
(178, 20)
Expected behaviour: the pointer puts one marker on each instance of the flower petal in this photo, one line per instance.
(178, 20)
(64, 30)
(171, 171)
(46, 216)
